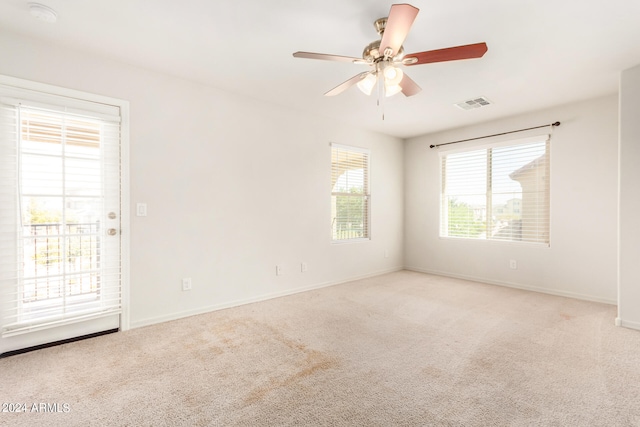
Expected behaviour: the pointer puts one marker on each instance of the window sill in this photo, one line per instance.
(496, 242)
(347, 241)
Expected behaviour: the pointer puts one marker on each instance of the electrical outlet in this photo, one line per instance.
(513, 264)
(141, 209)
(278, 270)
(304, 267)
(186, 284)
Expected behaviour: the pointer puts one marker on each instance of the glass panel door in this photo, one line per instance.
(68, 231)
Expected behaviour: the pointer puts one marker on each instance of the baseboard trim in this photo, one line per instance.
(264, 297)
(516, 286)
(627, 324)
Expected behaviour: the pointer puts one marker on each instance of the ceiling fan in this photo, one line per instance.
(384, 56)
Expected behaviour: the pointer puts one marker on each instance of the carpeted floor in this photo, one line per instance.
(402, 349)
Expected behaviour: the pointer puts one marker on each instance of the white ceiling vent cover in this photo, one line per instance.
(473, 103)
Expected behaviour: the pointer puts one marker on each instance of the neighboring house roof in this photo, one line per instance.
(531, 166)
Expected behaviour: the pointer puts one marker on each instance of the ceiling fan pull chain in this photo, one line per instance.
(381, 94)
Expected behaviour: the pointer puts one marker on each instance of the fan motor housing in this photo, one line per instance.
(372, 53)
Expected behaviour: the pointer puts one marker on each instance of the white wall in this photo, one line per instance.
(233, 186)
(581, 259)
(629, 273)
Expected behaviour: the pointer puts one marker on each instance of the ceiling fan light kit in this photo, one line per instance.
(391, 77)
(386, 55)
(367, 83)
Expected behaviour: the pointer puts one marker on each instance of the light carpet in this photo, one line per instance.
(401, 349)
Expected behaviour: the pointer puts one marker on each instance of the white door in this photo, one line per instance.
(60, 218)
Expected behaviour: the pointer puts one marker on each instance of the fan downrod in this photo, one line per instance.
(380, 25)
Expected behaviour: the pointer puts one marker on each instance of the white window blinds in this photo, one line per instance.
(499, 192)
(350, 198)
(60, 170)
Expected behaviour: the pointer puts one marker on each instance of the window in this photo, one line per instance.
(349, 193)
(498, 192)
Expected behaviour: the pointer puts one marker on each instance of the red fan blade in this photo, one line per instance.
(346, 85)
(401, 17)
(409, 87)
(326, 57)
(449, 54)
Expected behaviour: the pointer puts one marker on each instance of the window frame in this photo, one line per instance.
(477, 146)
(366, 196)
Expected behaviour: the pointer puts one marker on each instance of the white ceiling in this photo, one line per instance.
(541, 52)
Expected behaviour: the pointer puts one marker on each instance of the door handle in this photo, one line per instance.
(112, 232)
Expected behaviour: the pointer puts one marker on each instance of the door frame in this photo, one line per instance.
(124, 172)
